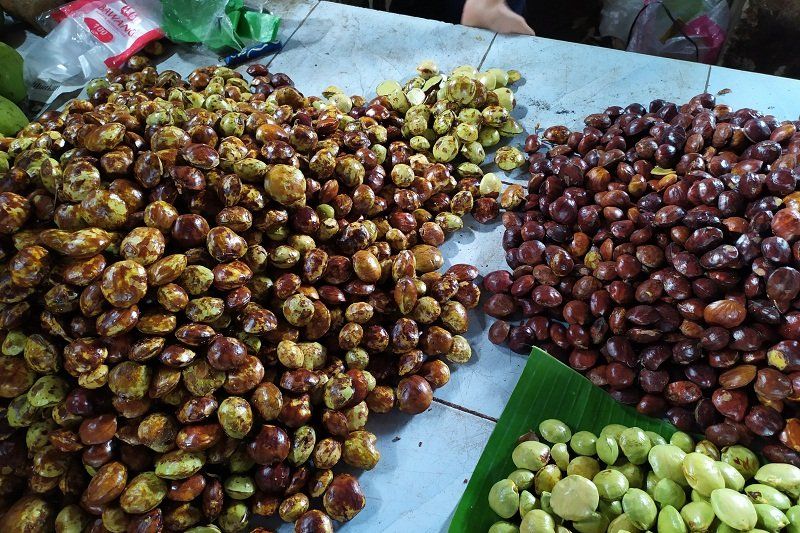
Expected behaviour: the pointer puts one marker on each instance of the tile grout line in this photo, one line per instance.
(485, 54)
(465, 410)
(292, 35)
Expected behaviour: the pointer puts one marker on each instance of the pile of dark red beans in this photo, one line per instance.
(656, 251)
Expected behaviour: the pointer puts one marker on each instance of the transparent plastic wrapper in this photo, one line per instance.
(617, 18)
(88, 36)
(693, 30)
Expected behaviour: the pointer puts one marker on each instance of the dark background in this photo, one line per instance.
(764, 35)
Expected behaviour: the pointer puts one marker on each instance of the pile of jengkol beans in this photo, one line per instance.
(627, 479)
(207, 286)
(656, 250)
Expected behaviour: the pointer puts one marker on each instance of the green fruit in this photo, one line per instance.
(12, 119)
(12, 85)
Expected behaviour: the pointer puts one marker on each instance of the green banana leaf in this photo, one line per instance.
(546, 389)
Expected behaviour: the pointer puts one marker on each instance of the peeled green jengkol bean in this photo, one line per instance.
(611, 484)
(670, 521)
(554, 431)
(698, 516)
(635, 445)
(722, 527)
(783, 477)
(640, 508)
(650, 482)
(607, 448)
(504, 498)
(697, 497)
(707, 448)
(734, 508)
(574, 498)
(667, 492)
(610, 509)
(770, 518)
(702, 473)
(742, 459)
(733, 479)
(522, 478)
(632, 472)
(560, 455)
(655, 438)
(532, 455)
(583, 443)
(621, 524)
(765, 494)
(537, 521)
(597, 523)
(682, 440)
(666, 460)
(584, 466)
(546, 479)
(793, 514)
(544, 502)
(527, 503)
(503, 527)
(614, 430)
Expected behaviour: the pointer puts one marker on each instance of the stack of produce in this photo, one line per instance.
(209, 284)
(627, 479)
(657, 252)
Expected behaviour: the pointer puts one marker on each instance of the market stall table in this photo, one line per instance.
(562, 82)
(426, 460)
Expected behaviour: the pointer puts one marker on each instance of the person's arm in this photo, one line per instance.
(494, 15)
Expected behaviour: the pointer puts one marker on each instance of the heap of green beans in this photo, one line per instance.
(628, 479)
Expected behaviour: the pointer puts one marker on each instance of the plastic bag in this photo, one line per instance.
(90, 35)
(693, 30)
(197, 21)
(617, 18)
(219, 24)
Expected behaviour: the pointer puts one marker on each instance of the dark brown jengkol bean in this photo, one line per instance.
(674, 265)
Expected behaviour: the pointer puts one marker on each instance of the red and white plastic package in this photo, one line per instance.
(89, 36)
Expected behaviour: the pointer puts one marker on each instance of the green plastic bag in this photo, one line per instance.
(218, 24)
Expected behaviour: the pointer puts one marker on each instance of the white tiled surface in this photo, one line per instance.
(426, 461)
(563, 82)
(292, 13)
(358, 48)
(485, 383)
(420, 477)
(768, 94)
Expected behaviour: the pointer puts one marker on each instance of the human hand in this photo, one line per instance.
(494, 15)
